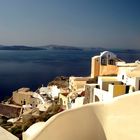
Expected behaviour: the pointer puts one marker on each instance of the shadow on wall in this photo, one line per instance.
(72, 126)
(100, 121)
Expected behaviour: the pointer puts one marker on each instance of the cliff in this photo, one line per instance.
(60, 82)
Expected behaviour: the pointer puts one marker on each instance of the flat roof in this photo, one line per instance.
(11, 105)
(25, 93)
(127, 64)
(24, 89)
(97, 56)
(108, 78)
(81, 78)
(92, 84)
(134, 72)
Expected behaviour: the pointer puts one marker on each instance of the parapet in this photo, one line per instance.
(113, 120)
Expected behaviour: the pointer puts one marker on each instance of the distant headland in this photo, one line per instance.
(62, 47)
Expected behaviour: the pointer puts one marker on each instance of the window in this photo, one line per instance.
(97, 86)
(111, 62)
(127, 89)
(103, 61)
(61, 101)
(73, 100)
(24, 102)
(108, 56)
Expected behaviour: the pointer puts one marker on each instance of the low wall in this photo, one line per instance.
(114, 120)
(102, 95)
(6, 135)
(75, 124)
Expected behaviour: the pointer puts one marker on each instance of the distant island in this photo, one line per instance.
(20, 47)
(64, 47)
(47, 47)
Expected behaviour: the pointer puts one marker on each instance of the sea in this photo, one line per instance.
(34, 68)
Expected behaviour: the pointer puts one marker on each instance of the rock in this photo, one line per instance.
(60, 82)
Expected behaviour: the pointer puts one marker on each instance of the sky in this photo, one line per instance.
(85, 23)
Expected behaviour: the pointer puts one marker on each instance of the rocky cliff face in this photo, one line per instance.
(60, 82)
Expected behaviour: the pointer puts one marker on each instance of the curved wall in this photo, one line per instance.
(118, 119)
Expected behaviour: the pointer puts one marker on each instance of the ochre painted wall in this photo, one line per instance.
(119, 90)
(95, 67)
(108, 70)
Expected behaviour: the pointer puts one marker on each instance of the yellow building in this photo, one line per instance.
(129, 73)
(117, 90)
(24, 96)
(76, 83)
(104, 81)
(63, 99)
(107, 88)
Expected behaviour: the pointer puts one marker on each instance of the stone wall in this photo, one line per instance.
(9, 111)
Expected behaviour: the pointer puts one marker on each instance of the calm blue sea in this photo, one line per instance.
(34, 68)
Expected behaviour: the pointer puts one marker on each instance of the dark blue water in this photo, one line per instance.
(34, 68)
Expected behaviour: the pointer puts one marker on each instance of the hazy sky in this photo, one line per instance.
(104, 23)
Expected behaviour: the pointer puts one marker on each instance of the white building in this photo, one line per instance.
(49, 91)
(107, 87)
(129, 73)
